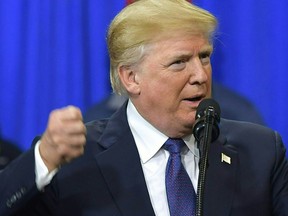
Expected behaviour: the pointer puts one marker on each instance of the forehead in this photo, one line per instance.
(181, 43)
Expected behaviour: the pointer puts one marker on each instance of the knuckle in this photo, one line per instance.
(82, 139)
(74, 111)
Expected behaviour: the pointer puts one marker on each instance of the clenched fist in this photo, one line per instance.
(64, 138)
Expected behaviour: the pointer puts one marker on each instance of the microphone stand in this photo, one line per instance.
(204, 150)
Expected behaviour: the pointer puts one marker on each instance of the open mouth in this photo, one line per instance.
(194, 99)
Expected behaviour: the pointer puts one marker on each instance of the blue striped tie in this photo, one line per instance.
(180, 192)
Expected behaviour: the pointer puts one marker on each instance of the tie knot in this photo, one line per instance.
(174, 145)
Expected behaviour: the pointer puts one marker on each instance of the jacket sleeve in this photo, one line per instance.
(17, 183)
(19, 194)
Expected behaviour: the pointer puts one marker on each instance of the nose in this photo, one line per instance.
(199, 73)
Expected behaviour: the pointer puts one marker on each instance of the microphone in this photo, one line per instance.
(205, 131)
(207, 115)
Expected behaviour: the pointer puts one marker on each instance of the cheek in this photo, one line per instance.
(209, 86)
(160, 94)
(161, 87)
(167, 89)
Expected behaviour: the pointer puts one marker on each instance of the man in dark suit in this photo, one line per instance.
(160, 57)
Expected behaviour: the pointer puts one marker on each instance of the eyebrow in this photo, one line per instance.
(206, 49)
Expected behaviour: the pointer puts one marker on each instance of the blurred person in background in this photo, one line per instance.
(8, 152)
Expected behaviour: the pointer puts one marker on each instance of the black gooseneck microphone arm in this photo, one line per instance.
(205, 130)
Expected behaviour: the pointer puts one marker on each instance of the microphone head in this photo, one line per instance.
(204, 105)
(208, 110)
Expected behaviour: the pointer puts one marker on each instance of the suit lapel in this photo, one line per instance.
(220, 179)
(123, 174)
(125, 178)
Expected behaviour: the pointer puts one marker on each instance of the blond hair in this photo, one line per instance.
(138, 24)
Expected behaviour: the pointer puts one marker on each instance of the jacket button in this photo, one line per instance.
(11, 201)
(8, 203)
(15, 197)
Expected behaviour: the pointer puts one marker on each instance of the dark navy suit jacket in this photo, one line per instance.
(247, 176)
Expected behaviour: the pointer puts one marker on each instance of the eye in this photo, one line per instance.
(179, 64)
(205, 57)
(179, 61)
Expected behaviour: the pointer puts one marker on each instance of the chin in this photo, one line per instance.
(189, 122)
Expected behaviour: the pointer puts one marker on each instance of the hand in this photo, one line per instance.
(64, 138)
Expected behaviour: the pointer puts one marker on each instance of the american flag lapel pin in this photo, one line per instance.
(225, 159)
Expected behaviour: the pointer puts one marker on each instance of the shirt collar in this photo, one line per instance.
(148, 139)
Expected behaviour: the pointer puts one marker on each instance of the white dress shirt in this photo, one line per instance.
(149, 142)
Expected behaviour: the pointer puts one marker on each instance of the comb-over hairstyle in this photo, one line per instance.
(143, 22)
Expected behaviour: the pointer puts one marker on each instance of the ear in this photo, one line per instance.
(128, 77)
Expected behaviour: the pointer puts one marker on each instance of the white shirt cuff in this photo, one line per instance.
(43, 177)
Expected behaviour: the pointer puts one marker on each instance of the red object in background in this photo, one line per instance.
(130, 1)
